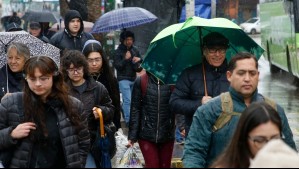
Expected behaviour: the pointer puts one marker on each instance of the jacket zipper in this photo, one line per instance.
(159, 94)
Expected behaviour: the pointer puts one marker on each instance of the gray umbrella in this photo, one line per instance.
(39, 16)
(35, 45)
(122, 18)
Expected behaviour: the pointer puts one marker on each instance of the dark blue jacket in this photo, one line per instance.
(189, 91)
(14, 83)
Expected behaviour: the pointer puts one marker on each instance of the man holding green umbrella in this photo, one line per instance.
(198, 84)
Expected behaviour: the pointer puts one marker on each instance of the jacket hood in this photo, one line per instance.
(71, 14)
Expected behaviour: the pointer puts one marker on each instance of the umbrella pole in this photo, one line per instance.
(204, 79)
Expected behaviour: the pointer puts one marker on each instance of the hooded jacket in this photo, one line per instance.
(64, 40)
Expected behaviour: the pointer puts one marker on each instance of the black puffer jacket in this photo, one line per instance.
(189, 89)
(126, 69)
(64, 40)
(76, 146)
(89, 101)
(150, 117)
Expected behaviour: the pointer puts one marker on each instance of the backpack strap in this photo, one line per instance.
(227, 111)
(270, 102)
(143, 81)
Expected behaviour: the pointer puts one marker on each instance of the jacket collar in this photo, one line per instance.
(239, 98)
(222, 68)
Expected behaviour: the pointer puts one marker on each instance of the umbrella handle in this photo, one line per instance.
(101, 127)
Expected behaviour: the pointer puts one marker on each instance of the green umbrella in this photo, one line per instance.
(179, 46)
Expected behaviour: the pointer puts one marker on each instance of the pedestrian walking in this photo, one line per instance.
(200, 83)
(258, 124)
(127, 60)
(44, 127)
(100, 70)
(73, 37)
(151, 122)
(91, 93)
(36, 30)
(214, 122)
(11, 74)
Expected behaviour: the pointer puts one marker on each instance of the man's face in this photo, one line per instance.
(129, 41)
(74, 26)
(215, 55)
(244, 78)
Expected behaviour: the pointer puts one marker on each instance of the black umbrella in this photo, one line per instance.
(39, 16)
(100, 148)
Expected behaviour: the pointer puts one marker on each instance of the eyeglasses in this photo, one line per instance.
(73, 70)
(260, 141)
(41, 80)
(97, 60)
(214, 50)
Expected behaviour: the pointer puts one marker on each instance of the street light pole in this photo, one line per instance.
(213, 8)
(190, 5)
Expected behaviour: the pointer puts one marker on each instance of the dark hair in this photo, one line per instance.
(240, 56)
(32, 102)
(76, 58)
(126, 34)
(237, 154)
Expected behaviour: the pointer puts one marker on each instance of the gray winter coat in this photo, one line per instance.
(76, 146)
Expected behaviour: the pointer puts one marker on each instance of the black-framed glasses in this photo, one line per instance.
(73, 70)
(214, 50)
(260, 141)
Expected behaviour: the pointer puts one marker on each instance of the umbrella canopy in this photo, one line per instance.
(39, 16)
(179, 46)
(56, 27)
(35, 45)
(122, 18)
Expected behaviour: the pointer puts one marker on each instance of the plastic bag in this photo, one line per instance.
(130, 159)
(121, 142)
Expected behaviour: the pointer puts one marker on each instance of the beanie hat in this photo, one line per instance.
(215, 39)
(71, 14)
(276, 154)
(91, 46)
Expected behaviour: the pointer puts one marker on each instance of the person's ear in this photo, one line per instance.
(229, 75)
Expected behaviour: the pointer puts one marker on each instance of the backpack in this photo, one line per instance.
(227, 110)
(144, 82)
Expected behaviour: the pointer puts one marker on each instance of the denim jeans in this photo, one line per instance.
(90, 163)
(126, 87)
(178, 137)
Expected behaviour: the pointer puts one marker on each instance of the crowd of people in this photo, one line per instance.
(48, 117)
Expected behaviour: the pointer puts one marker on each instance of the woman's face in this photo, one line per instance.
(260, 135)
(76, 74)
(95, 62)
(15, 62)
(40, 84)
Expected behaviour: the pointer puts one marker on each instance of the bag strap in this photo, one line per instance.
(227, 111)
(101, 124)
(143, 81)
(96, 94)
